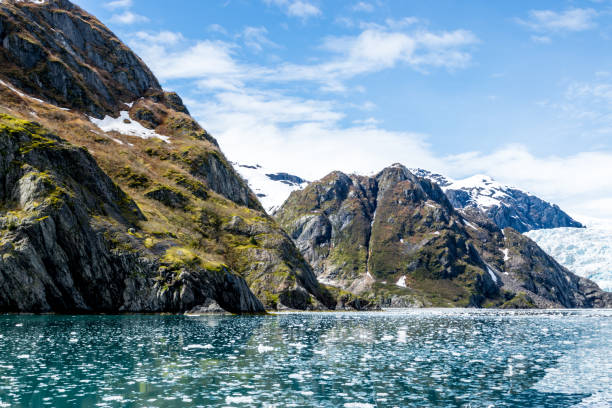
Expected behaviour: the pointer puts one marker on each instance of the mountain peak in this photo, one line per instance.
(64, 55)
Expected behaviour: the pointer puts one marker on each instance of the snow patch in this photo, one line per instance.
(469, 224)
(506, 252)
(401, 282)
(126, 126)
(492, 274)
(271, 193)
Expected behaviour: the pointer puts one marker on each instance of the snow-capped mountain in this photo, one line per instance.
(271, 187)
(584, 251)
(506, 206)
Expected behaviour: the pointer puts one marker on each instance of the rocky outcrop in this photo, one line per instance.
(66, 243)
(392, 237)
(506, 206)
(396, 238)
(65, 56)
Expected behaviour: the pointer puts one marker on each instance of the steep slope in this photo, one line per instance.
(584, 251)
(396, 238)
(272, 188)
(64, 231)
(62, 69)
(506, 206)
(392, 237)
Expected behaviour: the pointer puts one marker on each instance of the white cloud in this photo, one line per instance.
(119, 4)
(551, 21)
(303, 9)
(373, 50)
(364, 7)
(302, 135)
(541, 39)
(256, 38)
(296, 8)
(217, 28)
(128, 17)
(168, 57)
(587, 105)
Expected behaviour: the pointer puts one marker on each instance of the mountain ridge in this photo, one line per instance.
(396, 238)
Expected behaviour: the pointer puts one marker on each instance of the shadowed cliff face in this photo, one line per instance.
(181, 228)
(397, 238)
(64, 55)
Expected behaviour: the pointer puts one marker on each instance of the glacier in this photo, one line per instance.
(584, 251)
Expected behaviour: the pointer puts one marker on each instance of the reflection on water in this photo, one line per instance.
(401, 358)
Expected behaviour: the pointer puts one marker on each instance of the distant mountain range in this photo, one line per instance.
(396, 238)
(506, 206)
(587, 252)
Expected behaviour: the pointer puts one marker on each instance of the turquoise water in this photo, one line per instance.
(403, 358)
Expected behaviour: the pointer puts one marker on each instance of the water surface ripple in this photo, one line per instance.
(401, 358)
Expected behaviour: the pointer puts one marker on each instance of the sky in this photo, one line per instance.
(518, 90)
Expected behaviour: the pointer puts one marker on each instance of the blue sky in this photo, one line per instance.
(520, 90)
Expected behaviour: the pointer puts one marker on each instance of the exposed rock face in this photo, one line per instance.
(67, 57)
(506, 206)
(154, 217)
(393, 237)
(396, 238)
(64, 240)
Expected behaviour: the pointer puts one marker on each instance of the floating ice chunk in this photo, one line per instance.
(357, 405)
(297, 345)
(239, 399)
(264, 349)
(124, 125)
(112, 398)
(198, 346)
(296, 376)
(23, 356)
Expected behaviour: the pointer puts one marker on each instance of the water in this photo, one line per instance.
(405, 358)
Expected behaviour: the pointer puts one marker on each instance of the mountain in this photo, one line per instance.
(112, 197)
(506, 206)
(585, 251)
(395, 238)
(272, 188)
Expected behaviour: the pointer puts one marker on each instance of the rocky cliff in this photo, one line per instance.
(396, 238)
(113, 197)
